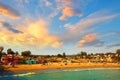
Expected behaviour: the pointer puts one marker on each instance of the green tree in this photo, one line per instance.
(10, 51)
(1, 49)
(59, 55)
(26, 53)
(16, 53)
(47, 56)
(83, 54)
(64, 55)
(118, 51)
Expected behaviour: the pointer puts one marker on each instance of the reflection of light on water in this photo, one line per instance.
(71, 70)
(24, 74)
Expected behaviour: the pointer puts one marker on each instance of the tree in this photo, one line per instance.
(59, 55)
(118, 51)
(26, 53)
(16, 53)
(10, 51)
(1, 49)
(64, 55)
(83, 54)
(47, 56)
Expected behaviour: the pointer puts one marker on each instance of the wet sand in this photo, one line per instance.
(60, 66)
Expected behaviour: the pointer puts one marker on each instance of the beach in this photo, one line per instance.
(24, 67)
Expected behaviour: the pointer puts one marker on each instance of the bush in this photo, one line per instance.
(21, 61)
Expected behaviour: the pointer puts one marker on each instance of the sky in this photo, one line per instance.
(55, 26)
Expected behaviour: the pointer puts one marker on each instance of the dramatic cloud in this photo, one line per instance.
(90, 37)
(8, 11)
(70, 8)
(66, 12)
(86, 25)
(67, 8)
(9, 27)
(34, 34)
(51, 8)
(89, 40)
(89, 22)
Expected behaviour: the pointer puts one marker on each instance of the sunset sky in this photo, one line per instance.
(57, 26)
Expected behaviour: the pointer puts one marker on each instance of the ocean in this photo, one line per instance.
(64, 74)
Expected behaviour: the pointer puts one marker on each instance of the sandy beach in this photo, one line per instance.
(59, 66)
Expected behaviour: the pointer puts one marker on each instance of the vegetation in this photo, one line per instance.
(118, 51)
(59, 55)
(26, 53)
(79, 57)
(82, 54)
(1, 49)
(10, 51)
(64, 55)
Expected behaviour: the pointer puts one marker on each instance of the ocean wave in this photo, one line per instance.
(71, 70)
(23, 74)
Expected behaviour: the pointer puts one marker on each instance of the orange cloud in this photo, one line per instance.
(57, 44)
(34, 34)
(37, 29)
(90, 37)
(82, 42)
(8, 11)
(69, 8)
(87, 39)
(67, 12)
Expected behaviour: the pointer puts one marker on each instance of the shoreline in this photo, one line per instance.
(25, 67)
